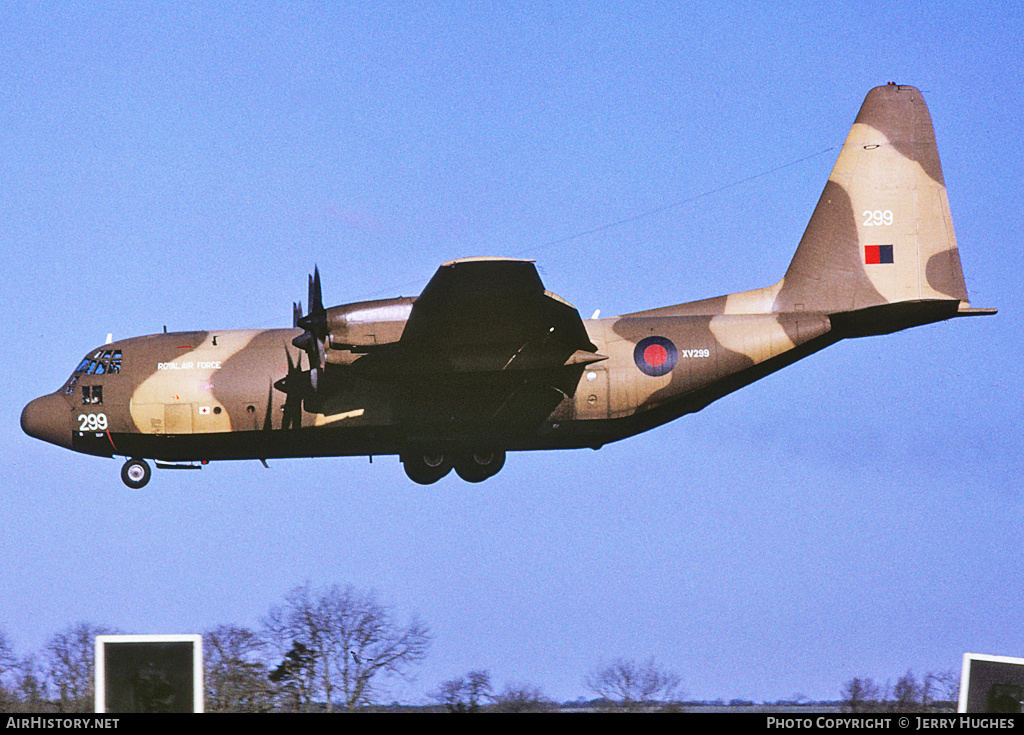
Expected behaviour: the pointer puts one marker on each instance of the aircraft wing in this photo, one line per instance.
(492, 314)
(484, 346)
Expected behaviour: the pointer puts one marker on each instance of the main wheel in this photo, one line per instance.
(479, 465)
(426, 468)
(135, 473)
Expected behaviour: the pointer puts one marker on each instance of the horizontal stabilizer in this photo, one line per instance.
(968, 311)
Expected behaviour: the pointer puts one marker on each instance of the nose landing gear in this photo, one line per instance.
(135, 473)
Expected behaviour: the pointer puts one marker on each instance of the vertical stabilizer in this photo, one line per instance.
(882, 231)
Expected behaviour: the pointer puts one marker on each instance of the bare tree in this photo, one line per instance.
(449, 694)
(8, 664)
(520, 698)
(7, 660)
(936, 692)
(906, 694)
(30, 686)
(860, 695)
(464, 694)
(941, 690)
(236, 677)
(629, 685)
(294, 678)
(351, 638)
(69, 657)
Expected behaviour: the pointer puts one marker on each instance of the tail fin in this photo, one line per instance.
(882, 232)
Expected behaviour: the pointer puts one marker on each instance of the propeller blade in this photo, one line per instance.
(316, 301)
(313, 339)
(268, 422)
(296, 387)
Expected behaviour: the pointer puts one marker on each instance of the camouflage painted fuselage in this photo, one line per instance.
(485, 361)
(210, 395)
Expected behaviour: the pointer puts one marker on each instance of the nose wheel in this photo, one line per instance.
(135, 473)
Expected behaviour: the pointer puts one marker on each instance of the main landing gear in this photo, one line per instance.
(473, 466)
(136, 473)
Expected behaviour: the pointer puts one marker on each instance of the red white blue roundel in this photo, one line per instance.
(655, 356)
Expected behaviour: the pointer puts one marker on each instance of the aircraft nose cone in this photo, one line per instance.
(46, 418)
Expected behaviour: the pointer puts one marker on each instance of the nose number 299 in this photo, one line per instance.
(92, 422)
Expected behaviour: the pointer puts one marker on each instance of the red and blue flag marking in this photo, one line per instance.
(655, 356)
(878, 254)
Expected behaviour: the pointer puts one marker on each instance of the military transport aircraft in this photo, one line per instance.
(485, 361)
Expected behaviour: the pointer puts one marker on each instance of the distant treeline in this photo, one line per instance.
(337, 648)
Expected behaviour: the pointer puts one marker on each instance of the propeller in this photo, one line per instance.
(312, 341)
(298, 385)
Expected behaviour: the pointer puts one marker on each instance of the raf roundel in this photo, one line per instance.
(655, 356)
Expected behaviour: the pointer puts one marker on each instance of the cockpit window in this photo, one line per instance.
(103, 362)
(92, 395)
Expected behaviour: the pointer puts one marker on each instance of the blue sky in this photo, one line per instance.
(856, 514)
